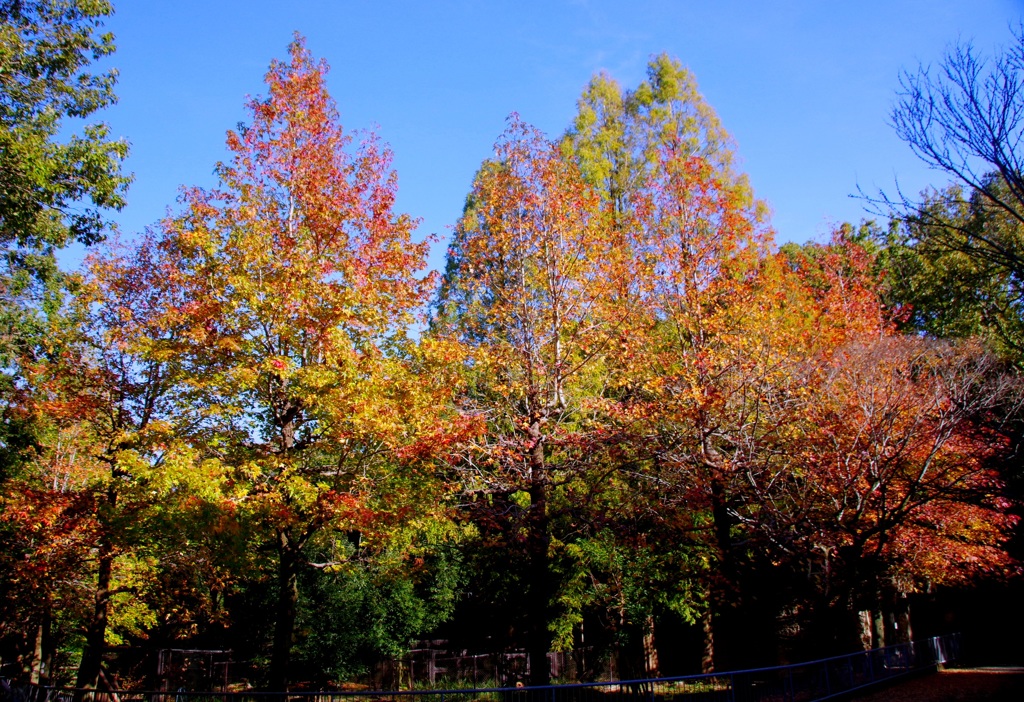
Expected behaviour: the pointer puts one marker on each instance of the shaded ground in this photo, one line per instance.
(969, 685)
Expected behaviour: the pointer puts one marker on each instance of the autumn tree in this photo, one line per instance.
(297, 282)
(722, 328)
(532, 276)
(617, 135)
(56, 185)
(107, 463)
(894, 476)
(916, 435)
(663, 166)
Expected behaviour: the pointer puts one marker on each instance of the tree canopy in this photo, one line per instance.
(963, 118)
(622, 424)
(52, 191)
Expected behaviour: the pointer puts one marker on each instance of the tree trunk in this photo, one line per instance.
(904, 633)
(864, 630)
(720, 514)
(35, 659)
(624, 657)
(651, 665)
(96, 632)
(707, 661)
(286, 609)
(39, 670)
(877, 627)
(726, 568)
(539, 595)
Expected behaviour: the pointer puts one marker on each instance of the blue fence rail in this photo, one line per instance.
(802, 682)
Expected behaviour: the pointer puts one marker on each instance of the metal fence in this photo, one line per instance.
(438, 668)
(802, 682)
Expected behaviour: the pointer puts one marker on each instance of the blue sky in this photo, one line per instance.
(805, 88)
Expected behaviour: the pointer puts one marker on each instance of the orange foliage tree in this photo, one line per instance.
(108, 468)
(533, 292)
(898, 470)
(296, 282)
(712, 310)
(718, 334)
(891, 483)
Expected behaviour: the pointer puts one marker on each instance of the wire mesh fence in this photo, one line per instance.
(803, 682)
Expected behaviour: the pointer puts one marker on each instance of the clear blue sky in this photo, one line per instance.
(804, 87)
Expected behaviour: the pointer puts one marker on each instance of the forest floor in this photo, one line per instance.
(956, 685)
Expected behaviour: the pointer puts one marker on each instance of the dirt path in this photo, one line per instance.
(970, 685)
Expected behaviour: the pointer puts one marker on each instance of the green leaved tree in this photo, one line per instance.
(53, 191)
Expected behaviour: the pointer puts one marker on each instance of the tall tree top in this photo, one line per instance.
(46, 47)
(617, 135)
(295, 279)
(54, 188)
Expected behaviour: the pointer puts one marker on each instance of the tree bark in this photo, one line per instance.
(707, 661)
(37, 655)
(722, 521)
(539, 596)
(39, 670)
(286, 609)
(864, 629)
(651, 664)
(877, 628)
(625, 664)
(726, 570)
(96, 632)
(904, 632)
